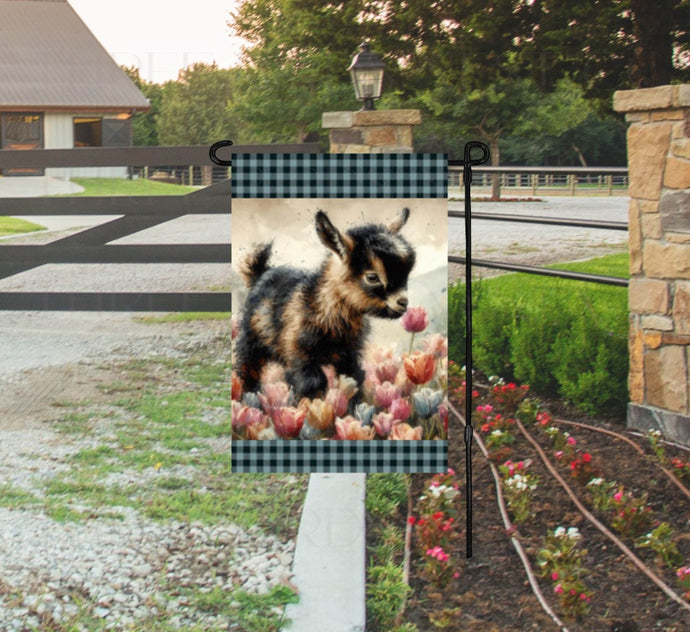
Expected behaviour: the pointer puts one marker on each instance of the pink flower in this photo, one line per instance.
(558, 589)
(405, 432)
(383, 422)
(338, 400)
(451, 471)
(387, 370)
(419, 367)
(288, 421)
(415, 319)
(274, 395)
(400, 409)
(350, 429)
(436, 345)
(384, 394)
(571, 441)
(559, 454)
(618, 496)
(554, 576)
(243, 416)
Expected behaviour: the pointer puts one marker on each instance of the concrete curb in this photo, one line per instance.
(329, 564)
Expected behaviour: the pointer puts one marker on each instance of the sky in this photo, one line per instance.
(162, 36)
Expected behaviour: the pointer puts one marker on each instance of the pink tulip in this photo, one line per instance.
(387, 370)
(405, 432)
(339, 400)
(243, 416)
(288, 421)
(415, 320)
(400, 409)
(436, 345)
(350, 429)
(384, 394)
(274, 395)
(383, 422)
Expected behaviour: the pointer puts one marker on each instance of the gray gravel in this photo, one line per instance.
(122, 569)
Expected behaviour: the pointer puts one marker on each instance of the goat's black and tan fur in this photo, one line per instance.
(307, 319)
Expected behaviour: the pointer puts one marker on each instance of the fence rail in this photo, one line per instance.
(545, 179)
(136, 213)
(140, 212)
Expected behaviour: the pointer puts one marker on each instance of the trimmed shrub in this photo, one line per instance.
(564, 338)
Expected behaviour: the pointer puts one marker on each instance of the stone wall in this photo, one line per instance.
(374, 131)
(659, 233)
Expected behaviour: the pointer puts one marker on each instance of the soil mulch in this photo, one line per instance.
(492, 592)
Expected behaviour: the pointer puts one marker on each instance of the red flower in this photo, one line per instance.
(586, 457)
(419, 367)
(411, 520)
(288, 421)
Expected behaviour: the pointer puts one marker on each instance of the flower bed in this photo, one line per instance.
(632, 575)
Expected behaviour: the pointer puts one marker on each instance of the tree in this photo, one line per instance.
(297, 56)
(196, 109)
(144, 124)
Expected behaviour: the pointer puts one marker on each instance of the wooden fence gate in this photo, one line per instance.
(136, 214)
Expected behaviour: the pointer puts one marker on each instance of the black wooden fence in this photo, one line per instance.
(136, 213)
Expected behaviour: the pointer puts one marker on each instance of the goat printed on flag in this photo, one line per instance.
(340, 318)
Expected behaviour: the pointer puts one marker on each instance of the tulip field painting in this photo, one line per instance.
(405, 360)
(339, 324)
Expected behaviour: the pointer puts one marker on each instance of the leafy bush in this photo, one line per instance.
(565, 338)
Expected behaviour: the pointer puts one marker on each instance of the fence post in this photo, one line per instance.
(535, 183)
(571, 182)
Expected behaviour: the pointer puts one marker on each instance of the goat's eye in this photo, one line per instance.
(372, 277)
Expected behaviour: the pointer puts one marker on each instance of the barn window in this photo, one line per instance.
(102, 132)
(88, 132)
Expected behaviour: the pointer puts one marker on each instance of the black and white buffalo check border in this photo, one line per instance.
(360, 176)
(280, 455)
(339, 176)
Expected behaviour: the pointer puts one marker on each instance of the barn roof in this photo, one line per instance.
(50, 60)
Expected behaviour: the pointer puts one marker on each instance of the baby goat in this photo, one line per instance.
(304, 319)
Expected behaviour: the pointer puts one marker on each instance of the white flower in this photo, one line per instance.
(573, 533)
(559, 532)
(595, 482)
(497, 433)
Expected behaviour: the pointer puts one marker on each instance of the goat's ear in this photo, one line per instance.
(331, 237)
(400, 221)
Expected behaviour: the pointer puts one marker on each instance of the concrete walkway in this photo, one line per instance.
(329, 564)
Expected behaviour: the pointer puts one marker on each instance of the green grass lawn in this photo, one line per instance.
(95, 187)
(14, 226)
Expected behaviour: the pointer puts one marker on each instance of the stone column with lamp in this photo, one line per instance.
(659, 242)
(370, 130)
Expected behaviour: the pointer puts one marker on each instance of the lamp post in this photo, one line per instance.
(366, 71)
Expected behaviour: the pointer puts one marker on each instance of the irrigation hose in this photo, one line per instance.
(587, 514)
(510, 528)
(670, 475)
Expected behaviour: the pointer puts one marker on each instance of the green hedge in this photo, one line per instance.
(564, 338)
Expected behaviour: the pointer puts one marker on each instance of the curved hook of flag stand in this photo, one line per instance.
(467, 163)
(212, 153)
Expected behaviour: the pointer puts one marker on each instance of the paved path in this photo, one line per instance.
(329, 566)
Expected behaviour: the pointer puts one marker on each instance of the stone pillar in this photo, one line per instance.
(371, 132)
(659, 242)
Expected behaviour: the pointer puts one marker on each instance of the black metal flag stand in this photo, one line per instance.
(467, 164)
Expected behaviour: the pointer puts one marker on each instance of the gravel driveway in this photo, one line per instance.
(48, 357)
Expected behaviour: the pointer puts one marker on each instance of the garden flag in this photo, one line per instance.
(339, 350)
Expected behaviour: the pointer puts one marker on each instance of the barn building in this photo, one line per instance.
(59, 88)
